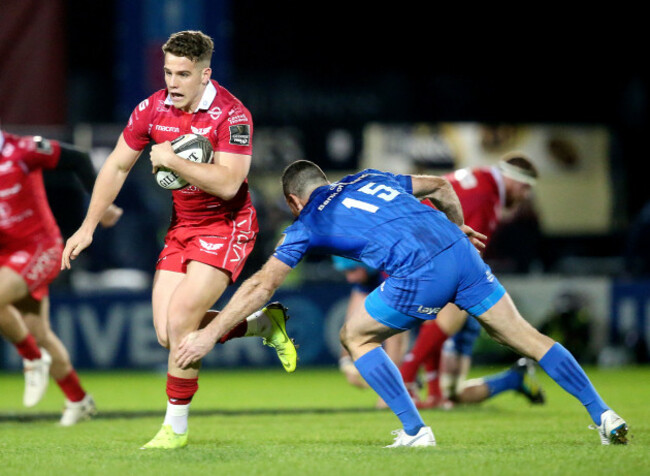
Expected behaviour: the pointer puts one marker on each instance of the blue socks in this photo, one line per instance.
(384, 377)
(508, 380)
(562, 367)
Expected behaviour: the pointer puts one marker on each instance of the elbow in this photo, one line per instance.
(226, 193)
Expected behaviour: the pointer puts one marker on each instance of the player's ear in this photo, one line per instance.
(294, 204)
(205, 76)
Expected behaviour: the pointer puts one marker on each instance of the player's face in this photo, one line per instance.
(518, 193)
(186, 81)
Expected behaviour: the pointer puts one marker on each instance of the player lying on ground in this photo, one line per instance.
(30, 256)
(376, 217)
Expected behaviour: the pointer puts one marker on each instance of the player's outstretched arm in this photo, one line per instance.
(251, 296)
(441, 193)
(109, 182)
(222, 178)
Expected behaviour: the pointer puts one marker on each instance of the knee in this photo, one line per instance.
(345, 337)
(163, 340)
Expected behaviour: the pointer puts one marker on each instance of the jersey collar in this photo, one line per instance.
(206, 100)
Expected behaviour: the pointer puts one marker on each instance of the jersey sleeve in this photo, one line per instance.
(404, 181)
(40, 153)
(235, 132)
(136, 132)
(293, 245)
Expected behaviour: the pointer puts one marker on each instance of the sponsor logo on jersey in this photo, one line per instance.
(143, 105)
(489, 276)
(240, 135)
(167, 128)
(20, 257)
(7, 192)
(201, 131)
(428, 310)
(8, 150)
(43, 146)
(237, 118)
(5, 211)
(45, 263)
(215, 113)
(6, 167)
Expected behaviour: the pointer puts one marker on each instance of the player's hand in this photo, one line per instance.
(74, 246)
(161, 155)
(477, 239)
(111, 216)
(193, 348)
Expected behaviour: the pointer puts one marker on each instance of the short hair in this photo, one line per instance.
(191, 44)
(518, 166)
(302, 176)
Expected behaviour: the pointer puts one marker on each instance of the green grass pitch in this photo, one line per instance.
(266, 422)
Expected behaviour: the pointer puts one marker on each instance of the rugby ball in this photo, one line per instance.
(188, 146)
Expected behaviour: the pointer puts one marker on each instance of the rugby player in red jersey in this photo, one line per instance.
(213, 225)
(30, 253)
(485, 193)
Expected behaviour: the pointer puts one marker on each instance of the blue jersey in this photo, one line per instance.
(372, 217)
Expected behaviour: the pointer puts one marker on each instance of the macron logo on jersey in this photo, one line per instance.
(167, 128)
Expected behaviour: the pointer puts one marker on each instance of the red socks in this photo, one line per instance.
(428, 345)
(28, 349)
(238, 331)
(71, 387)
(181, 390)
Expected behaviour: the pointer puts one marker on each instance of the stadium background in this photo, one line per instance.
(351, 87)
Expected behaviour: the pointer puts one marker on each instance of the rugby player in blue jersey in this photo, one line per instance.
(376, 217)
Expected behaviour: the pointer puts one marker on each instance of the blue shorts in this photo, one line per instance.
(463, 341)
(457, 274)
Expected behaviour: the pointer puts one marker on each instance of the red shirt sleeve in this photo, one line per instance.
(39, 153)
(235, 134)
(136, 132)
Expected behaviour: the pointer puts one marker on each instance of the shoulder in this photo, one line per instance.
(234, 109)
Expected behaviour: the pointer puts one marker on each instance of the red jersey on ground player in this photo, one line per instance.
(481, 192)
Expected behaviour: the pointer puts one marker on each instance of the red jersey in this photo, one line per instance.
(221, 118)
(25, 214)
(482, 196)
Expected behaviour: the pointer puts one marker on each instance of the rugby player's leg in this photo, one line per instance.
(13, 288)
(362, 336)
(36, 362)
(427, 351)
(504, 324)
(79, 405)
(180, 305)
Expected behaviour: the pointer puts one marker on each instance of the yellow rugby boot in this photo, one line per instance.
(278, 338)
(166, 439)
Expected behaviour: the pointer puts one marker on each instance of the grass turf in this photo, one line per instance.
(248, 422)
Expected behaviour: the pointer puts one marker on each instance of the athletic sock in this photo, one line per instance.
(238, 331)
(71, 387)
(428, 345)
(180, 392)
(177, 416)
(28, 348)
(507, 380)
(384, 377)
(257, 324)
(562, 367)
